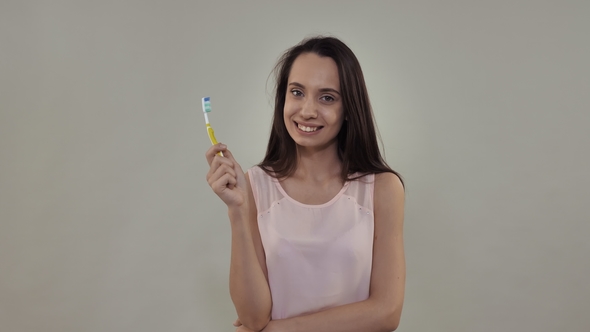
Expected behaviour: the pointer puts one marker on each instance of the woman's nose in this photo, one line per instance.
(309, 109)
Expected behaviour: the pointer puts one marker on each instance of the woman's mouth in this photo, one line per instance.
(307, 129)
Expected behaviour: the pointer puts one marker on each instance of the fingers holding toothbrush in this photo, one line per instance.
(225, 176)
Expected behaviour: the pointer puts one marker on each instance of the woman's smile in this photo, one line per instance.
(308, 129)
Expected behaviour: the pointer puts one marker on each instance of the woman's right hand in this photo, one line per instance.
(226, 177)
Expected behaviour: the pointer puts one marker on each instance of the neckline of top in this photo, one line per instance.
(293, 200)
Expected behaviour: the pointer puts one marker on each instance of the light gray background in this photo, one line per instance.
(107, 222)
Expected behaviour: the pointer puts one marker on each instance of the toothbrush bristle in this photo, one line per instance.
(207, 105)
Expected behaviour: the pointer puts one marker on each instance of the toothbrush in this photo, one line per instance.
(207, 109)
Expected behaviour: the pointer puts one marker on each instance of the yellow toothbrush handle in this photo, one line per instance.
(211, 133)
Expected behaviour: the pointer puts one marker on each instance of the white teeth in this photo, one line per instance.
(307, 129)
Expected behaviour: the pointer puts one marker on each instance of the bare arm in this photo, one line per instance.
(248, 279)
(382, 310)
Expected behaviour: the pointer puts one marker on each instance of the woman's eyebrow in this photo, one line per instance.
(299, 85)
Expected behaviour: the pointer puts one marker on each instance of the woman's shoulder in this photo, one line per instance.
(388, 177)
(381, 177)
(258, 169)
(258, 176)
(255, 168)
(388, 183)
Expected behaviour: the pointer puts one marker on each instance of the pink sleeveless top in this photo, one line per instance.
(317, 256)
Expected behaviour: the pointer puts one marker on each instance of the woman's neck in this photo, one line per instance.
(318, 165)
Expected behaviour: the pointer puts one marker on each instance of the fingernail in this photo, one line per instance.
(223, 146)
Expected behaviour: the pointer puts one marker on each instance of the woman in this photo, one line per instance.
(317, 226)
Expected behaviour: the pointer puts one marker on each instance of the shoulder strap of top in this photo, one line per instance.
(264, 188)
(362, 189)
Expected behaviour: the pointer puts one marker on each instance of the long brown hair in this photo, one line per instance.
(358, 149)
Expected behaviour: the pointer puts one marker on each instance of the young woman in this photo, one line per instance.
(317, 226)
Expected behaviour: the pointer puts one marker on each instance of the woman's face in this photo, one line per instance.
(313, 110)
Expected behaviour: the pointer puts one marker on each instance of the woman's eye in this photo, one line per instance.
(296, 93)
(328, 98)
